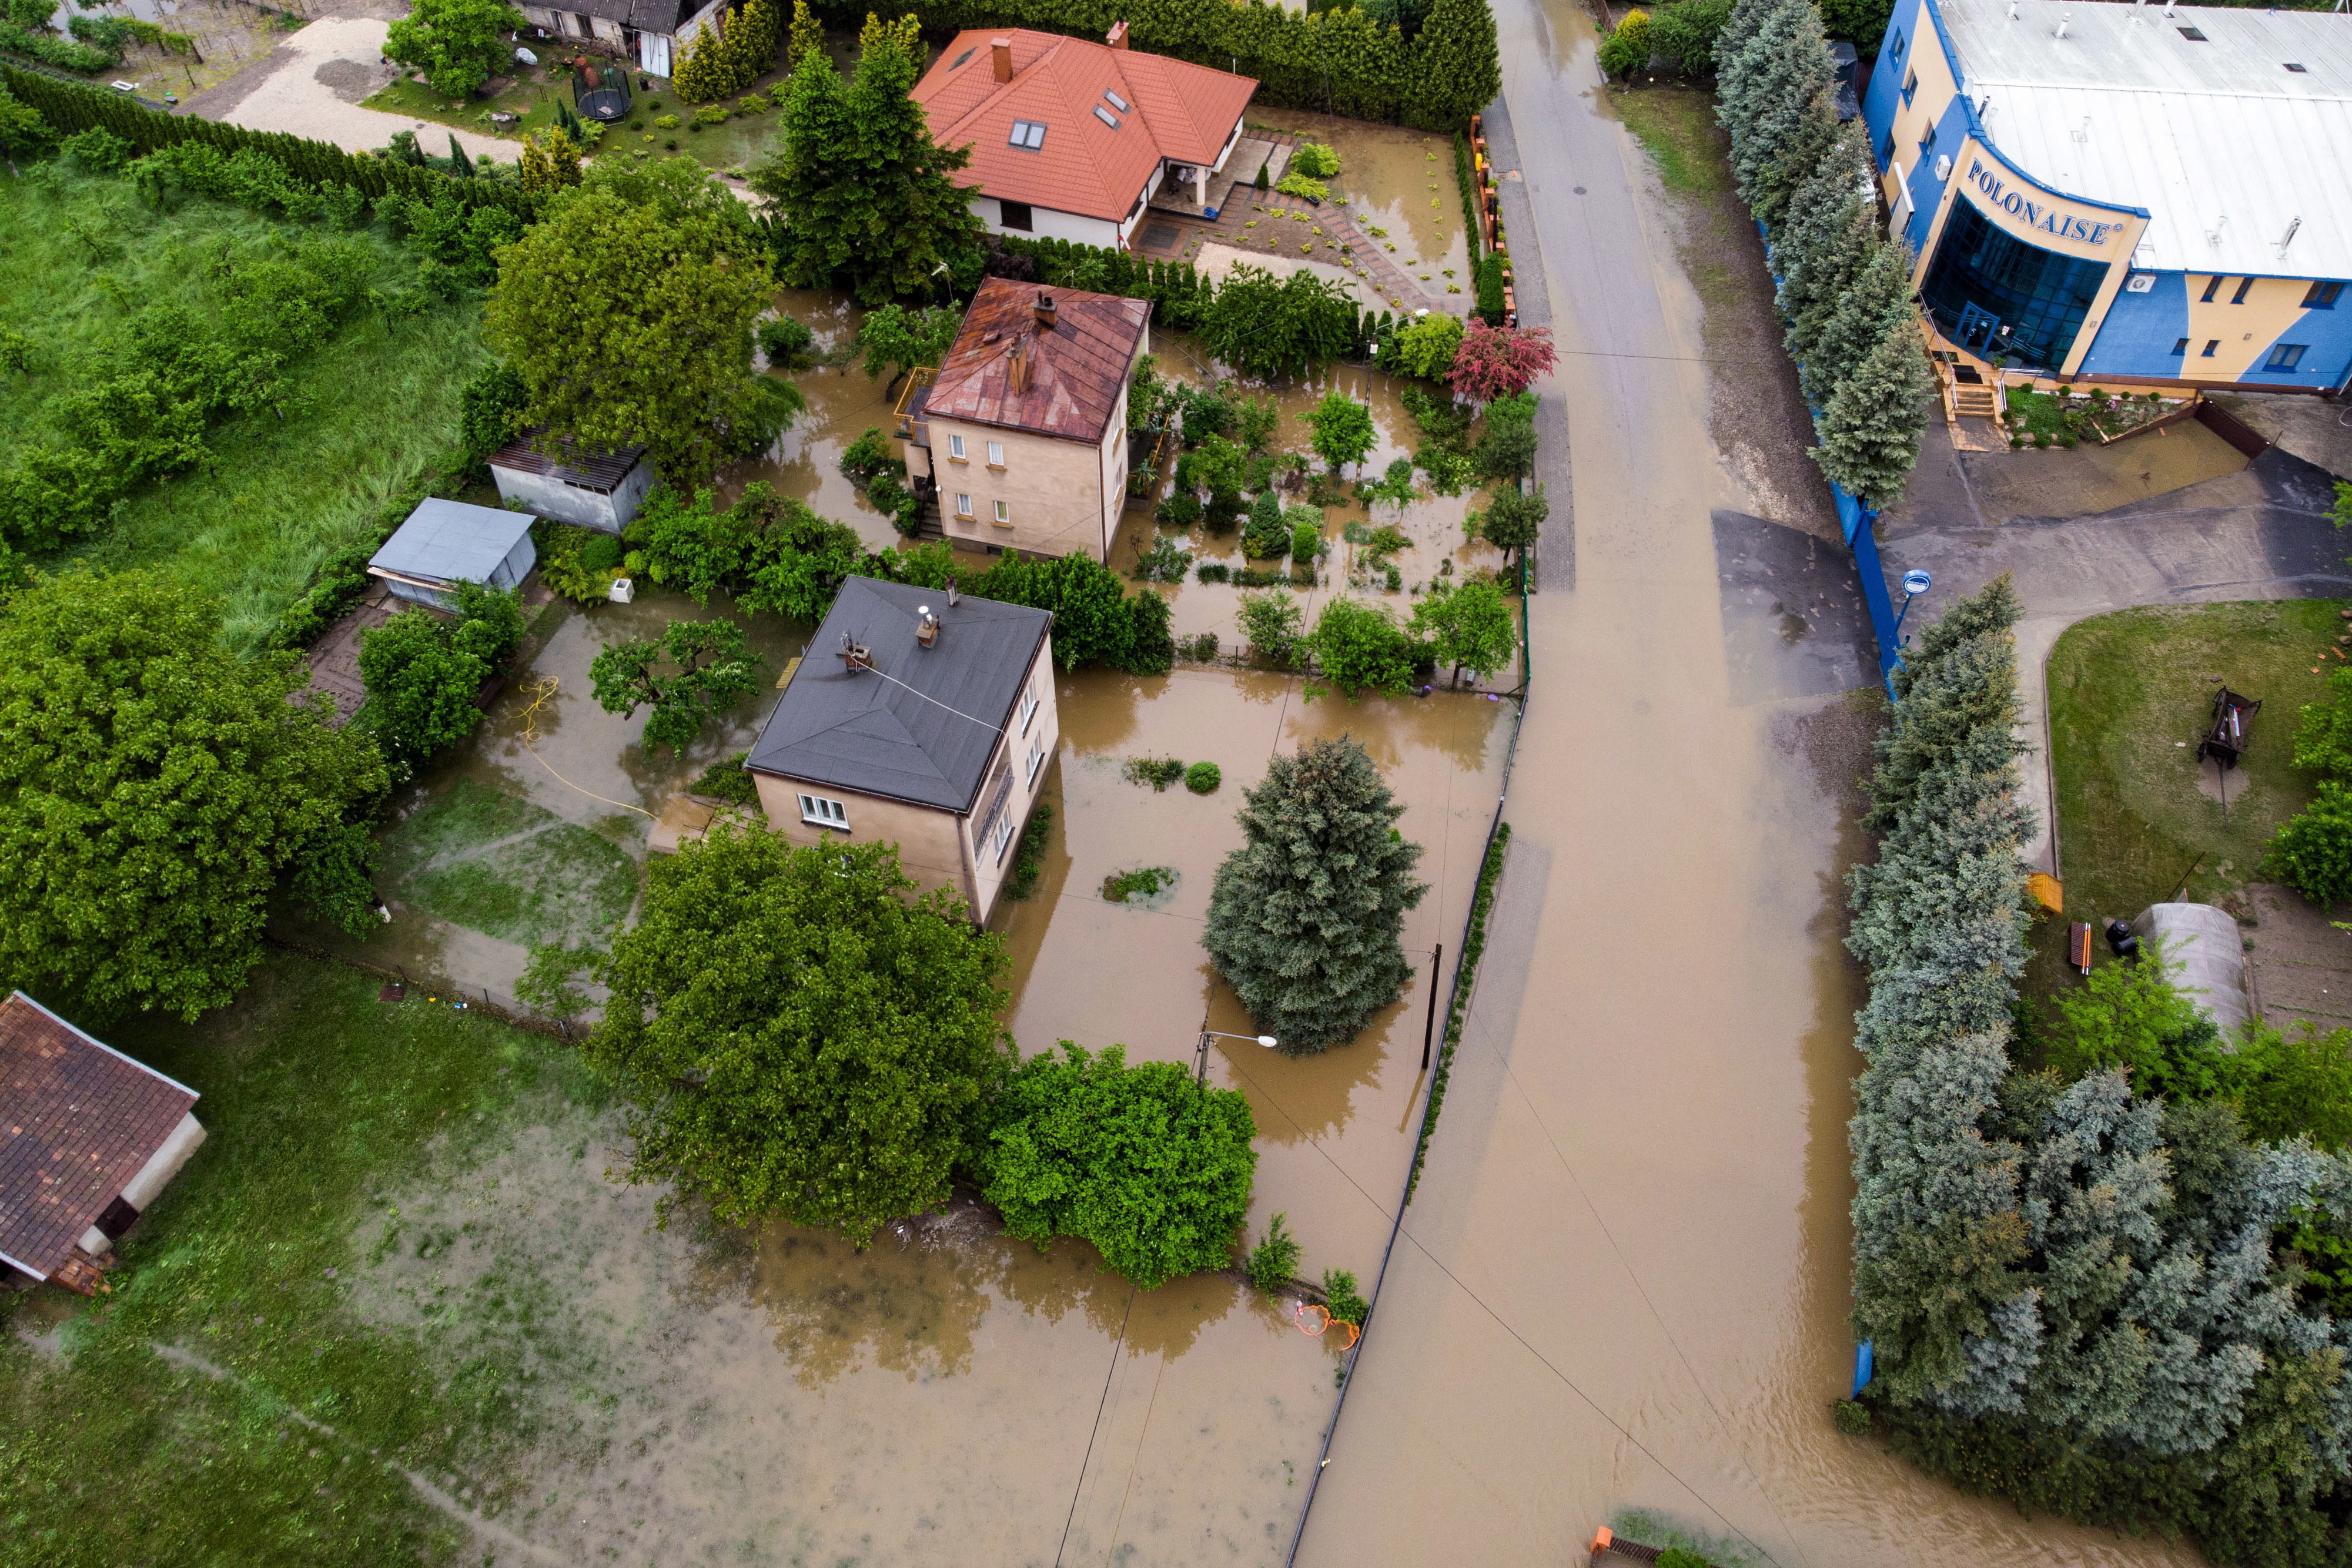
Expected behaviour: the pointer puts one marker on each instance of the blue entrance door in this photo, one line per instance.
(1977, 328)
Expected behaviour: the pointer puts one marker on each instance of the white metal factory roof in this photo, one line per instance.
(2229, 150)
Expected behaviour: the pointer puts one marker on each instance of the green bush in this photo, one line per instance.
(1300, 185)
(1152, 1169)
(1212, 571)
(1490, 284)
(868, 456)
(1275, 1260)
(1266, 536)
(1339, 1296)
(1143, 881)
(1202, 778)
(1157, 771)
(1029, 855)
(1361, 647)
(2312, 851)
(1852, 1418)
(729, 781)
(787, 342)
(1201, 647)
(1627, 49)
(1181, 510)
(666, 122)
(1315, 160)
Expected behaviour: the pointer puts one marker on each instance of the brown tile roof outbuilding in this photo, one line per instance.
(1009, 368)
(78, 1121)
(1086, 165)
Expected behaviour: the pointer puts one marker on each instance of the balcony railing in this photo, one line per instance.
(907, 414)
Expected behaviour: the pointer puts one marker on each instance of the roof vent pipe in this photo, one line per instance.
(855, 656)
(2013, 10)
(2062, 29)
(951, 593)
(1045, 311)
(927, 626)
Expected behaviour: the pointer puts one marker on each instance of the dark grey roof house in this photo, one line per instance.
(920, 719)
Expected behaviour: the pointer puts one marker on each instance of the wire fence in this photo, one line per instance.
(439, 993)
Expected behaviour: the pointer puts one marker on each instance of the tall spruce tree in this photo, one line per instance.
(1797, 158)
(751, 41)
(1781, 71)
(1829, 275)
(1453, 60)
(1820, 209)
(1869, 431)
(870, 202)
(1305, 918)
(1879, 299)
(807, 34)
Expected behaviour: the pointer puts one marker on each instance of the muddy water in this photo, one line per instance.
(1333, 1132)
(1625, 1278)
(842, 403)
(1392, 176)
(948, 1397)
(565, 756)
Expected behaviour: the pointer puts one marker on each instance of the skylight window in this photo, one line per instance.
(1122, 104)
(1027, 133)
(965, 56)
(2192, 34)
(1107, 117)
(2299, 70)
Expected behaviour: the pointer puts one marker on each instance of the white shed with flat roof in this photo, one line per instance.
(444, 543)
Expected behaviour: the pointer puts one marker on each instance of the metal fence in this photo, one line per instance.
(438, 993)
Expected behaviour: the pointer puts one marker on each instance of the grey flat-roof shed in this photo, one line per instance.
(444, 543)
(574, 483)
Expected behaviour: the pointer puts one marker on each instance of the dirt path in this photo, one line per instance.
(311, 85)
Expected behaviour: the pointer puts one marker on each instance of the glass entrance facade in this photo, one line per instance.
(1995, 295)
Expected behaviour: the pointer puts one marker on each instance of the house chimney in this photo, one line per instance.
(1117, 39)
(1044, 312)
(951, 593)
(1016, 366)
(855, 656)
(927, 627)
(1000, 55)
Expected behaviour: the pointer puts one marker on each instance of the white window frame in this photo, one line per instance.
(1029, 703)
(1036, 761)
(818, 811)
(1004, 513)
(1000, 838)
(955, 449)
(996, 454)
(964, 505)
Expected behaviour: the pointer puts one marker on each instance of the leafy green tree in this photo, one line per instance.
(421, 674)
(1261, 325)
(870, 201)
(1513, 521)
(153, 787)
(897, 339)
(1305, 916)
(1454, 64)
(1359, 645)
(1627, 47)
(753, 35)
(807, 35)
(1470, 628)
(1341, 1298)
(1508, 450)
(22, 132)
(629, 326)
(332, 875)
(1395, 486)
(1272, 623)
(788, 342)
(490, 410)
(2290, 1086)
(1870, 432)
(457, 44)
(1273, 1261)
(1342, 428)
(793, 1032)
(2311, 851)
(1861, 22)
(714, 670)
(1684, 35)
(707, 66)
(1151, 1168)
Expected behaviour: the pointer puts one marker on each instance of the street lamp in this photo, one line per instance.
(1914, 583)
(1267, 1041)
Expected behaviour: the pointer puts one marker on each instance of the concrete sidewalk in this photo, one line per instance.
(311, 85)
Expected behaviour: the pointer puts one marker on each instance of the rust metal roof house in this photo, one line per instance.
(1070, 138)
(87, 1138)
(1023, 431)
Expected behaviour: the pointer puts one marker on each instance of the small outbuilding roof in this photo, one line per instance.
(591, 468)
(450, 541)
(78, 1121)
(920, 724)
(1008, 367)
(2206, 958)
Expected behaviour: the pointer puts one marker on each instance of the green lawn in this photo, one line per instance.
(2126, 690)
(743, 139)
(1676, 126)
(489, 861)
(167, 1432)
(371, 411)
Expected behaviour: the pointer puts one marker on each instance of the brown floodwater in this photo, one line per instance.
(1625, 1281)
(1396, 179)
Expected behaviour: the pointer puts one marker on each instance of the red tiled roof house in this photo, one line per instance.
(87, 1138)
(1023, 430)
(1070, 138)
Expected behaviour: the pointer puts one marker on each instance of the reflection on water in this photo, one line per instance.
(1387, 173)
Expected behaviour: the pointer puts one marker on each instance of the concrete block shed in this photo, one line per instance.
(444, 543)
(600, 490)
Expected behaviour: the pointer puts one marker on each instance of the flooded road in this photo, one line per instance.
(1624, 1280)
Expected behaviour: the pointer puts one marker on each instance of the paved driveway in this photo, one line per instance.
(311, 85)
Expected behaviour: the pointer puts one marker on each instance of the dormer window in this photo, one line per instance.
(1107, 117)
(1122, 104)
(1027, 134)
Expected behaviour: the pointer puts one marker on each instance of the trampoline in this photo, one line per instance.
(601, 92)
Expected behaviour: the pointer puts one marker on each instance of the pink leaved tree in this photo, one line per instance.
(1499, 361)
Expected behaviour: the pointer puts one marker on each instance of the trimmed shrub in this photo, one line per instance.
(1315, 160)
(1202, 778)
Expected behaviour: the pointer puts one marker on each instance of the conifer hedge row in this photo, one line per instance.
(70, 107)
(1338, 61)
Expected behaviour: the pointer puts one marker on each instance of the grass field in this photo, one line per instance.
(377, 405)
(485, 860)
(2129, 699)
(225, 1404)
(1676, 126)
(741, 140)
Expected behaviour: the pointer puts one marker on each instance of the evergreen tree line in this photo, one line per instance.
(1343, 62)
(1844, 294)
(69, 108)
(2081, 1292)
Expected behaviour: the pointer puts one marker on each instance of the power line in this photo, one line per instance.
(1100, 1405)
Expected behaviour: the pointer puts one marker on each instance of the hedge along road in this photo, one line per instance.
(1624, 1280)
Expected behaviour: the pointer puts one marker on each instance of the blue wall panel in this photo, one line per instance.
(2136, 338)
(1884, 98)
(2326, 337)
(1926, 191)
